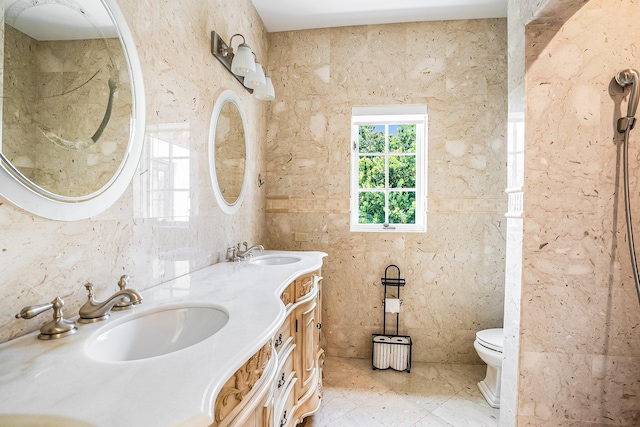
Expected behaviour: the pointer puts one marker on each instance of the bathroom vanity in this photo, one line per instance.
(256, 362)
(282, 382)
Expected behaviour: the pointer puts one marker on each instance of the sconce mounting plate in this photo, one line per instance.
(221, 51)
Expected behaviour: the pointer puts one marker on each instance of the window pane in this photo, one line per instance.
(402, 207)
(181, 205)
(160, 148)
(371, 172)
(371, 206)
(402, 138)
(402, 171)
(371, 139)
(181, 174)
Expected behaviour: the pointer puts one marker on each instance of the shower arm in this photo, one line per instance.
(625, 78)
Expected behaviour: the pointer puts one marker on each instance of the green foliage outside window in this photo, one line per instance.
(387, 169)
(371, 208)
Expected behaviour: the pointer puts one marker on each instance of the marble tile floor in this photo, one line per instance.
(434, 395)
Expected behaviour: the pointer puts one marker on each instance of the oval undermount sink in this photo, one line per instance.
(156, 332)
(275, 260)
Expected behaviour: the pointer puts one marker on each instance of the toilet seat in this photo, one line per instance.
(492, 339)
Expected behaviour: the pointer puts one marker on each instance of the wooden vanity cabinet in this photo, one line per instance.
(310, 358)
(289, 387)
(306, 364)
(303, 390)
(249, 388)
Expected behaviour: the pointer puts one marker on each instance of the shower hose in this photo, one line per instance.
(627, 207)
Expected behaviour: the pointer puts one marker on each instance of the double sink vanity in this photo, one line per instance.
(233, 344)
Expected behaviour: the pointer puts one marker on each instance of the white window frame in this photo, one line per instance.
(386, 115)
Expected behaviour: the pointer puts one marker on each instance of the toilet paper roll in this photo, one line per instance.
(399, 359)
(381, 352)
(392, 305)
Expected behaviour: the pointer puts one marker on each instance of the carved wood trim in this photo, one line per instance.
(305, 284)
(239, 386)
(287, 295)
(305, 287)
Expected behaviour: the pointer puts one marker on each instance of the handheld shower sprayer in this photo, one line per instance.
(625, 78)
(625, 124)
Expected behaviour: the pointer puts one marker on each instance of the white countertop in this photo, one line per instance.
(57, 379)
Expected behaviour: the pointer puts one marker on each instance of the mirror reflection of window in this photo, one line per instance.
(165, 174)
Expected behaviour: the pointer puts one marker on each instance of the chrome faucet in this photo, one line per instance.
(58, 327)
(247, 253)
(94, 311)
(124, 303)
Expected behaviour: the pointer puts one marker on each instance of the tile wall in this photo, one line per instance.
(41, 259)
(578, 344)
(454, 271)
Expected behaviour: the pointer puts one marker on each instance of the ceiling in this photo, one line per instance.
(287, 15)
(50, 21)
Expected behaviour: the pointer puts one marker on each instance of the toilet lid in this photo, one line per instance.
(491, 338)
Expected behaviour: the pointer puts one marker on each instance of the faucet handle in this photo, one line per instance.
(124, 281)
(33, 310)
(124, 303)
(58, 327)
(89, 287)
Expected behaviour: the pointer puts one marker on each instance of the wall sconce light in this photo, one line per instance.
(244, 66)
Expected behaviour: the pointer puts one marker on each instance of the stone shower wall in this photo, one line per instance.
(579, 346)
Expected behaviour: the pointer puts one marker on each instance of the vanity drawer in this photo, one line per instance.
(283, 414)
(285, 371)
(284, 335)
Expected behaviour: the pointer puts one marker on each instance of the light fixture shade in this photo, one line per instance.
(243, 61)
(256, 78)
(266, 92)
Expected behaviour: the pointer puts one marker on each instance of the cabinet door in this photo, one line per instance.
(310, 354)
(307, 339)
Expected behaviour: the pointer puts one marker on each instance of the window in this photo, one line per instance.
(388, 168)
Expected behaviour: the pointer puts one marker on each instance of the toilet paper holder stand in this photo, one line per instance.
(391, 350)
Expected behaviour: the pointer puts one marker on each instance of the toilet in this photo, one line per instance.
(488, 344)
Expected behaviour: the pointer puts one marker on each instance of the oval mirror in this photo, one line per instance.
(228, 152)
(73, 107)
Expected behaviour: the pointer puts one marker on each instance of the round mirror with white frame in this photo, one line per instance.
(71, 145)
(229, 152)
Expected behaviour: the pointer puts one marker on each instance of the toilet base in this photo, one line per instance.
(490, 386)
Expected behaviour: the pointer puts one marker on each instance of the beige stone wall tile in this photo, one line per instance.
(595, 389)
(455, 271)
(42, 259)
(577, 361)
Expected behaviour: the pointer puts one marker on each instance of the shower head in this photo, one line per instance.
(630, 77)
